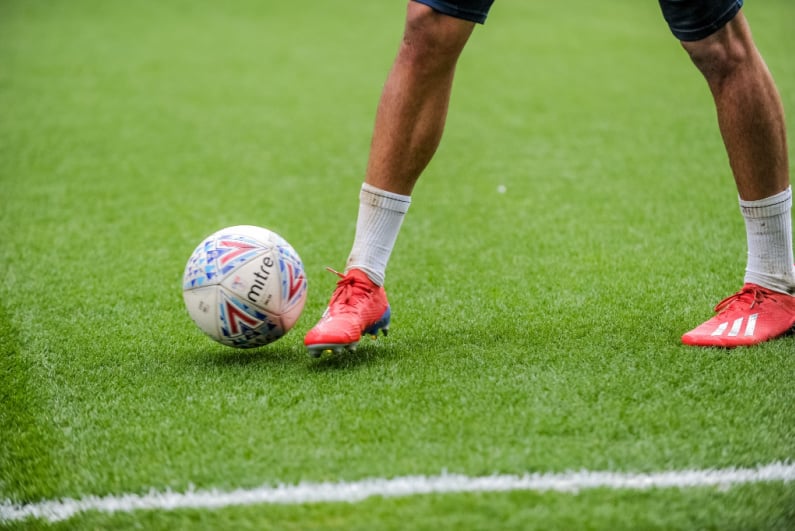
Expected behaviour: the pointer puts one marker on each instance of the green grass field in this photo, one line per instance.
(535, 330)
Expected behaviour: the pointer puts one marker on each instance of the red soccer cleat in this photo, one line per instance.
(357, 306)
(752, 315)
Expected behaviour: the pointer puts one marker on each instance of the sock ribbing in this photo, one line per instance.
(768, 224)
(381, 214)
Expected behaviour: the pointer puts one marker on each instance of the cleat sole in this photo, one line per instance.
(316, 351)
(382, 325)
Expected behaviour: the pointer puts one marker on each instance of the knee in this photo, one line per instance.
(431, 41)
(722, 54)
(716, 60)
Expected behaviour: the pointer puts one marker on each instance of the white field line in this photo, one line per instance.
(354, 491)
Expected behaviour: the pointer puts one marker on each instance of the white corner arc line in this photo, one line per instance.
(355, 491)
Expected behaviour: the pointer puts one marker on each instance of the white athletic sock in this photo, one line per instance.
(380, 216)
(768, 225)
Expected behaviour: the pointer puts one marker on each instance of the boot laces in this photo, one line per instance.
(348, 294)
(751, 295)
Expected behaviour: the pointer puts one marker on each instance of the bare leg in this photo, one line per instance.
(408, 127)
(413, 106)
(750, 114)
(751, 122)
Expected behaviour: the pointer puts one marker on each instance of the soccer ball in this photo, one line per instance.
(244, 286)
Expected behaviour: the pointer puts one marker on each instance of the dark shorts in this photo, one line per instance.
(473, 10)
(693, 20)
(689, 20)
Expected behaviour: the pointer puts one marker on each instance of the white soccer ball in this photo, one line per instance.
(244, 286)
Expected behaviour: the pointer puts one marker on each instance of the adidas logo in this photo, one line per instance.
(737, 326)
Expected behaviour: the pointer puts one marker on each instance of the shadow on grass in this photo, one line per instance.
(289, 355)
(270, 355)
(366, 354)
